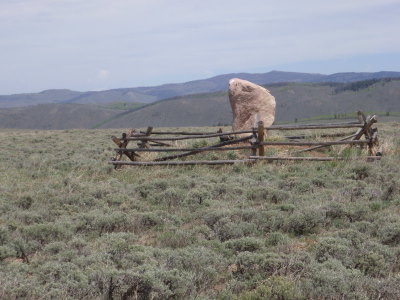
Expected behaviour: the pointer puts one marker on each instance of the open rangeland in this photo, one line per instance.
(73, 227)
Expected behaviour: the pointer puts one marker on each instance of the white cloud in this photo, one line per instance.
(102, 74)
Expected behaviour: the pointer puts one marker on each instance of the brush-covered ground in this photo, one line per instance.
(73, 227)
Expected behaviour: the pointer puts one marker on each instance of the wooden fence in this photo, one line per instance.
(252, 140)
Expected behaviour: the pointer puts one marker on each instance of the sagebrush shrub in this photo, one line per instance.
(45, 233)
(204, 264)
(231, 230)
(25, 202)
(4, 235)
(389, 234)
(176, 238)
(305, 221)
(372, 264)
(171, 197)
(271, 220)
(258, 265)
(334, 248)
(244, 244)
(198, 196)
(6, 252)
(331, 280)
(273, 288)
(360, 172)
(277, 238)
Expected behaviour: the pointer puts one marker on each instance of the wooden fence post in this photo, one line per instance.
(260, 138)
(144, 143)
(370, 120)
(373, 146)
(361, 117)
(253, 142)
(122, 143)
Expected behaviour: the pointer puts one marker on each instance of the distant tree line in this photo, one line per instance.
(359, 85)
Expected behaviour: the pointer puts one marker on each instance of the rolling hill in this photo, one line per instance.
(294, 101)
(155, 93)
(55, 116)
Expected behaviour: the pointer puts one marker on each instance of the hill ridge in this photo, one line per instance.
(154, 93)
(294, 101)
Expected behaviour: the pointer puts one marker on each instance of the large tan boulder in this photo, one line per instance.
(250, 103)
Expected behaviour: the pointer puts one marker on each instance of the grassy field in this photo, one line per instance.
(72, 227)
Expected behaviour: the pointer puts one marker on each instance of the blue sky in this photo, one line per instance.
(102, 44)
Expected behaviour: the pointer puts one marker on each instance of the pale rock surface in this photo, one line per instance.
(250, 103)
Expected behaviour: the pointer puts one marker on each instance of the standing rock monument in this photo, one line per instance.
(250, 103)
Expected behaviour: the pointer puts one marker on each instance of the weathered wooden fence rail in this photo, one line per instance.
(254, 140)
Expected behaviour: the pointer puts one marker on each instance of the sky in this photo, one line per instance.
(102, 44)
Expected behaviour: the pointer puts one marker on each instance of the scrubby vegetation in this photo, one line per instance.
(359, 85)
(383, 115)
(124, 105)
(73, 227)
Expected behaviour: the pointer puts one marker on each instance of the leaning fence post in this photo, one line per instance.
(122, 143)
(361, 117)
(260, 138)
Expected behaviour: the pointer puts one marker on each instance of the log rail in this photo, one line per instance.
(253, 140)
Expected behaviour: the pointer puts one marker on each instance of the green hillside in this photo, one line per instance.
(55, 116)
(294, 101)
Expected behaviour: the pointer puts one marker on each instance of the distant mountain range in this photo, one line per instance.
(294, 101)
(155, 93)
